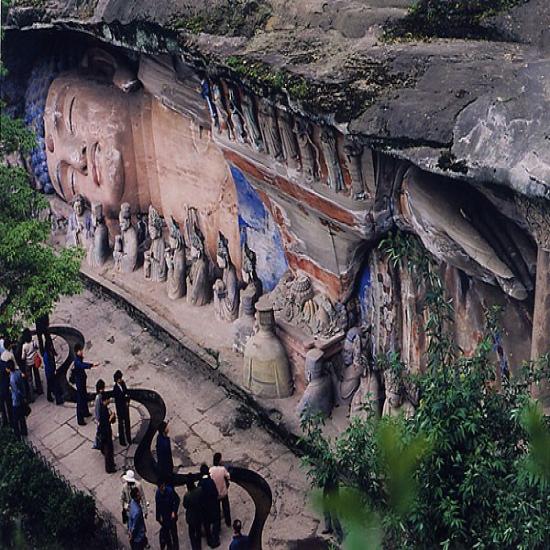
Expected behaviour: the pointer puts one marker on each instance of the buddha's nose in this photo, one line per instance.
(79, 159)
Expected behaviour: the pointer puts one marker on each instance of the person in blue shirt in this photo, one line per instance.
(167, 504)
(136, 522)
(52, 384)
(80, 377)
(240, 541)
(165, 462)
(18, 393)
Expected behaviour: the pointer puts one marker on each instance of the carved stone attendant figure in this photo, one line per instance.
(251, 123)
(354, 365)
(129, 240)
(236, 117)
(330, 152)
(250, 277)
(198, 283)
(318, 396)
(307, 151)
(224, 120)
(80, 224)
(175, 261)
(270, 130)
(393, 396)
(118, 254)
(354, 157)
(154, 264)
(266, 368)
(244, 326)
(99, 249)
(226, 289)
(290, 146)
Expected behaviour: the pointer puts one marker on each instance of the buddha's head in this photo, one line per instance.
(88, 135)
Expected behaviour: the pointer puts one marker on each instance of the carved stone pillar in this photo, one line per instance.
(537, 215)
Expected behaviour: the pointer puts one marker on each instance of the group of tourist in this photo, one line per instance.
(20, 379)
(202, 501)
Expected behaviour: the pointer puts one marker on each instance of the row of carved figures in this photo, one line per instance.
(357, 384)
(275, 131)
(166, 262)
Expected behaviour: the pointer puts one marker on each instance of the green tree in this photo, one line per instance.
(32, 275)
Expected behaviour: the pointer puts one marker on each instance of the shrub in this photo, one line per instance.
(51, 512)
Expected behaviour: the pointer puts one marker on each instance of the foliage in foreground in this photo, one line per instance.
(51, 513)
(458, 474)
(32, 275)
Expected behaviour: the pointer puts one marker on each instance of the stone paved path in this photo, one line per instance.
(202, 421)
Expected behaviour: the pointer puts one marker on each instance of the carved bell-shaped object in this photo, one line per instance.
(266, 367)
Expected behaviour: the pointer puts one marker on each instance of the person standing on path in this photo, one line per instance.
(130, 482)
(165, 462)
(240, 541)
(210, 508)
(106, 419)
(80, 378)
(122, 404)
(5, 396)
(31, 357)
(18, 400)
(192, 502)
(136, 522)
(220, 476)
(52, 385)
(26, 372)
(99, 389)
(167, 505)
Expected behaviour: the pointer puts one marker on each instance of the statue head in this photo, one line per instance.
(154, 224)
(197, 243)
(176, 238)
(125, 216)
(249, 264)
(88, 134)
(222, 255)
(79, 205)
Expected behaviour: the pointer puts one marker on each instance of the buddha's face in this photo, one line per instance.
(89, 142)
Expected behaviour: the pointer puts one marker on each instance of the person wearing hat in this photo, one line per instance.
(129, 481)
(165, 462)
(122, 405)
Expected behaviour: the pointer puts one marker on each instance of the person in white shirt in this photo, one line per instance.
(129, 481)
(220, 476)
(30, 356)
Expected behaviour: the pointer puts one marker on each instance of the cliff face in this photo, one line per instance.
(308, 131)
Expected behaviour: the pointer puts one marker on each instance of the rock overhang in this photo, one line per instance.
(455, 107)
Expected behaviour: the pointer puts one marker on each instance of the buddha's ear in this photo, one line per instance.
(105, 66)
